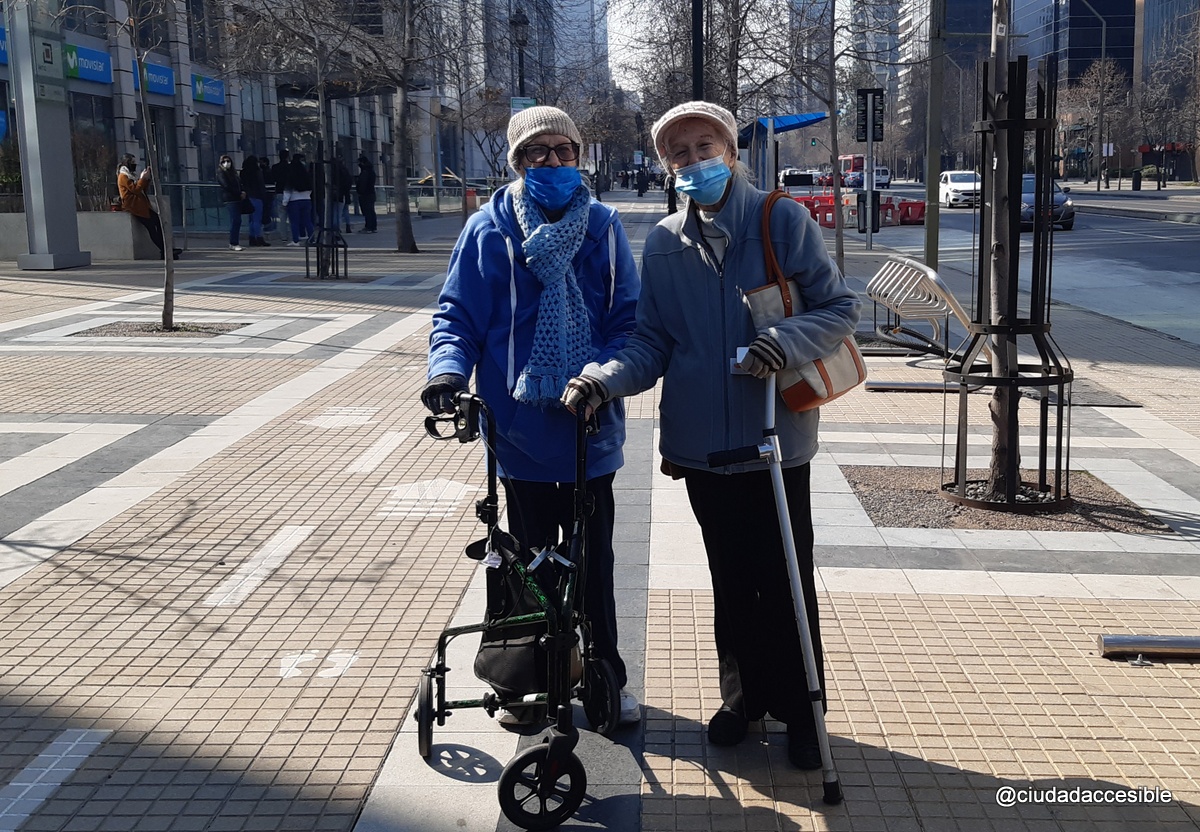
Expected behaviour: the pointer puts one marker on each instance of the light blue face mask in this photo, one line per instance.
(704, 182)
(552, 187)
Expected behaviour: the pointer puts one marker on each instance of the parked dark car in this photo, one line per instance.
(1063, 212)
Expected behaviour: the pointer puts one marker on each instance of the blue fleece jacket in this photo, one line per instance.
(485, 324)
(692, 317)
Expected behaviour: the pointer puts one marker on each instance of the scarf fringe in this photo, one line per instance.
(539, 389)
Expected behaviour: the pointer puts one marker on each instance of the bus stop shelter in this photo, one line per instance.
(759, 138)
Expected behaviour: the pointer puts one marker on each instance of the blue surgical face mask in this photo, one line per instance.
(551, 187)
(704, 182)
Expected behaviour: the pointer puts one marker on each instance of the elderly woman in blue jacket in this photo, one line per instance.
(691, 319)
(541, 282)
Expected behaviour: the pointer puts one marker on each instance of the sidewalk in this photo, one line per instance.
(225, 558)
(1178, 202)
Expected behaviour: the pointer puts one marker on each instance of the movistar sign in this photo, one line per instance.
(208, 90)
(161, 79)
(87, 64)
(3, 47)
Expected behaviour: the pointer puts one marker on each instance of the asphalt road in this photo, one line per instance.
(1145, 272)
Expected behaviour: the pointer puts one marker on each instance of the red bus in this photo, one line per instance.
(854, 163)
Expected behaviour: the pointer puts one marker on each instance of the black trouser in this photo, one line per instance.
(758, 643)
(540, 514)
(368, 211)
(154, 228)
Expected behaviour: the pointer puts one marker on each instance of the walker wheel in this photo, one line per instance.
(601, 697)
(425, 716)
(521, 798)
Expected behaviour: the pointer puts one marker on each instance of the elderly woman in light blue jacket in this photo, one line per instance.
(691, 319)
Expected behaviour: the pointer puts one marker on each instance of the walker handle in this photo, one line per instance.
(719, 459)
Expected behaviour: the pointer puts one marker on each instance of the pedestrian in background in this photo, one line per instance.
(298, 198)
(279, 177)
(232, 195)
(256, 192)
(364, 186)
(697, 266)
(541, 281)
(135, 200)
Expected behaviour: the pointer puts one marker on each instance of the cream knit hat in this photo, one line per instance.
(536, 121)
(717, 115)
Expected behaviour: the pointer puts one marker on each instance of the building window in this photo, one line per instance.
(342, 119)
(204, 28)
(152, 30)
(86, 17)
(210, 144)
(94, 151)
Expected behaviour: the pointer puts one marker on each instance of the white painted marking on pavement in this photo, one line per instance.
(342, 417)
(35, 784)
(340, 661)
(238, 586)
(371, 458)
(429, 498)
(289, 665)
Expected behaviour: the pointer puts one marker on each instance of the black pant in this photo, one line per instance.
(368, 211)
(758, 643)
(154, 227)
(540, 514)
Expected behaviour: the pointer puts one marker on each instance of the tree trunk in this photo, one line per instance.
(168, 308)
(1003, 349)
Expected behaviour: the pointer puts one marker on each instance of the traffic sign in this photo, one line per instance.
(518, 104)
(875, 97)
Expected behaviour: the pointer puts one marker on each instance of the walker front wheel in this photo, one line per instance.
(425, 716)
(528, 804)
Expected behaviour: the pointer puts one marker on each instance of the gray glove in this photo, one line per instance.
(585, 392)
(438, 394)
(764, 357)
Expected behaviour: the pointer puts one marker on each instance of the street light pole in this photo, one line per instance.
(1103, 69)
(520, 26)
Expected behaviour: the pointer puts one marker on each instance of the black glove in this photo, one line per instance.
(439, 393)
(587, 392)
(764, 357)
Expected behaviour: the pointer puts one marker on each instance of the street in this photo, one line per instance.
(1098, 265)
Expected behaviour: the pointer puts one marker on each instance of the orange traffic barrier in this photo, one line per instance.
(912, 212)
(889, 212)
(808, 202)
(825, 215)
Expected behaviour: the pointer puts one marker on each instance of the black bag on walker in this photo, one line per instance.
(510, 659)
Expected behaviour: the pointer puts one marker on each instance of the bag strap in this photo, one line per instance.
(774, 273)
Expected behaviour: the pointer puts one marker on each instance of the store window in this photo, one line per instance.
(11, 198)
(93, 150)
(210, 144)
(254, 119)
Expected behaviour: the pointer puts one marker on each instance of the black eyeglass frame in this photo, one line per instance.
(557, 150)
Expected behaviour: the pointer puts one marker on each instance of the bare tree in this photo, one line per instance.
(1103, 86)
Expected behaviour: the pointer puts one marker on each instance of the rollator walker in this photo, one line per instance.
(537, 647)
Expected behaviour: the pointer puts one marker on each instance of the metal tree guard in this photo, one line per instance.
(998, 321)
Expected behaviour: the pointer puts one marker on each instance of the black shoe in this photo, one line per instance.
(804, 751)
(727, 727)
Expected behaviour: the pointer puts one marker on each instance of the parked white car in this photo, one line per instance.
(959, 187)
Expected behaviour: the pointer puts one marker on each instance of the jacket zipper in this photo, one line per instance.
(708, 253)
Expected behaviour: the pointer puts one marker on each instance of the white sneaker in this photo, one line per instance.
(234, 247)
(293, 243)
(522, 715)
(631, 709)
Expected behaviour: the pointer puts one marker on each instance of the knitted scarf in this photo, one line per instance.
(562, 341)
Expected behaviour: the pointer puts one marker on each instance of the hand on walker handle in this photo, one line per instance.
(588, 392)
(763, 357)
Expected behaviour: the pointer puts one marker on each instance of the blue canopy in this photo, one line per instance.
(782, 125)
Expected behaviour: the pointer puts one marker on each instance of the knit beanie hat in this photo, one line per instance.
(536, 121)
(720, 118)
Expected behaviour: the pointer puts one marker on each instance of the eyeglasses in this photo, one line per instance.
(536, 153)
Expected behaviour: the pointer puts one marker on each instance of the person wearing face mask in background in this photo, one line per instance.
(232, 195)
(696, 268)
(542, 281)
